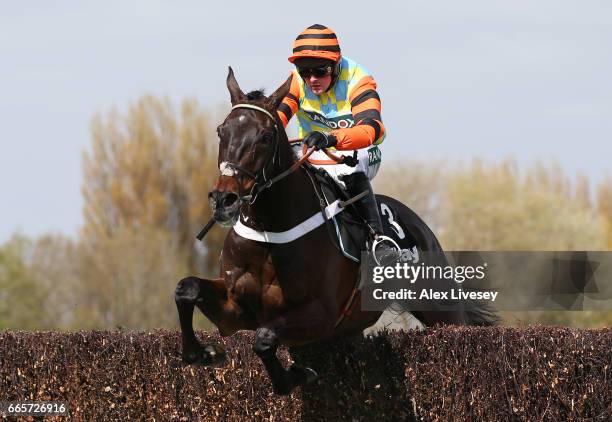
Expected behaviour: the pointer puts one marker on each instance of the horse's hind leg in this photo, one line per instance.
(188, 292)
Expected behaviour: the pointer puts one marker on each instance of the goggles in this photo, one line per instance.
(318, 72)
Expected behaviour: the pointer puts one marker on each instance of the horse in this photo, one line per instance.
(294, 293)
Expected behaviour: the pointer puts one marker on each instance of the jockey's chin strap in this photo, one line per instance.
(260, 178)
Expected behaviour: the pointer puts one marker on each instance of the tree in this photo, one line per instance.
(493, 207)
(150, 168)
(21, 298)
(146, 181)
(418, 185)
(53, 262)
(604, 206)
(128, 279)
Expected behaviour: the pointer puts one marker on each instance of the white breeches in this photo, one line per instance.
(369, 162)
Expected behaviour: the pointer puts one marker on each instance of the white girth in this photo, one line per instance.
(294, 233)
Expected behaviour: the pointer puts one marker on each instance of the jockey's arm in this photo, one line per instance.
(365, 106)
(289, 105)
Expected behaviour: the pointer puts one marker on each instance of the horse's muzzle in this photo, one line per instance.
(225, 207)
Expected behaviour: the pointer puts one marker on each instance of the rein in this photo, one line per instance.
(350, 161)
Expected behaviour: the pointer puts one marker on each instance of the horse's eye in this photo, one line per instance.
(267, 137)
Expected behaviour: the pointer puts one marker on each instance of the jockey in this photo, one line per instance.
(337, 106)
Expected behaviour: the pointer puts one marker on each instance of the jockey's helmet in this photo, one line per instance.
(316, 42)
(317, 46)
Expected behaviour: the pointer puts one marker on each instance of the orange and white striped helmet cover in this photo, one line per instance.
(316, 41)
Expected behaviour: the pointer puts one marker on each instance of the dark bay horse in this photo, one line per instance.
(290, 293)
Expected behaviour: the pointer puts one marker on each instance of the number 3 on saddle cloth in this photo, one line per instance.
(348, 229)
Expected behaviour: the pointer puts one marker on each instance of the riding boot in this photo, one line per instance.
(368, 208)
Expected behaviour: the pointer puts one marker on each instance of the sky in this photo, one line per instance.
(457, 79)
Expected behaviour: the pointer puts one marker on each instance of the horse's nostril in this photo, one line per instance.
(229, 199)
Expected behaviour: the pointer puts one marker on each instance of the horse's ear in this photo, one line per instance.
(236, 94)
(276, 98)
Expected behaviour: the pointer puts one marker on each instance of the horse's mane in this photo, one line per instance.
(256, 95)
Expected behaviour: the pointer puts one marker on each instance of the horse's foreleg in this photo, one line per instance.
(190, 291)
(305, 323)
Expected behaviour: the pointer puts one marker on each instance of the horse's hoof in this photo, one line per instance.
(210, 355)
(299, 376)
(303, 375)
(285, 391)
(216, 355)
(192, 357)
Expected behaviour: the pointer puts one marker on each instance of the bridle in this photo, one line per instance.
(262, 182)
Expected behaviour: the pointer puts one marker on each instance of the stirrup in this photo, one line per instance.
(380, 239)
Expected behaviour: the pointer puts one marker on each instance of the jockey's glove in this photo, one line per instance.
(320, 140)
